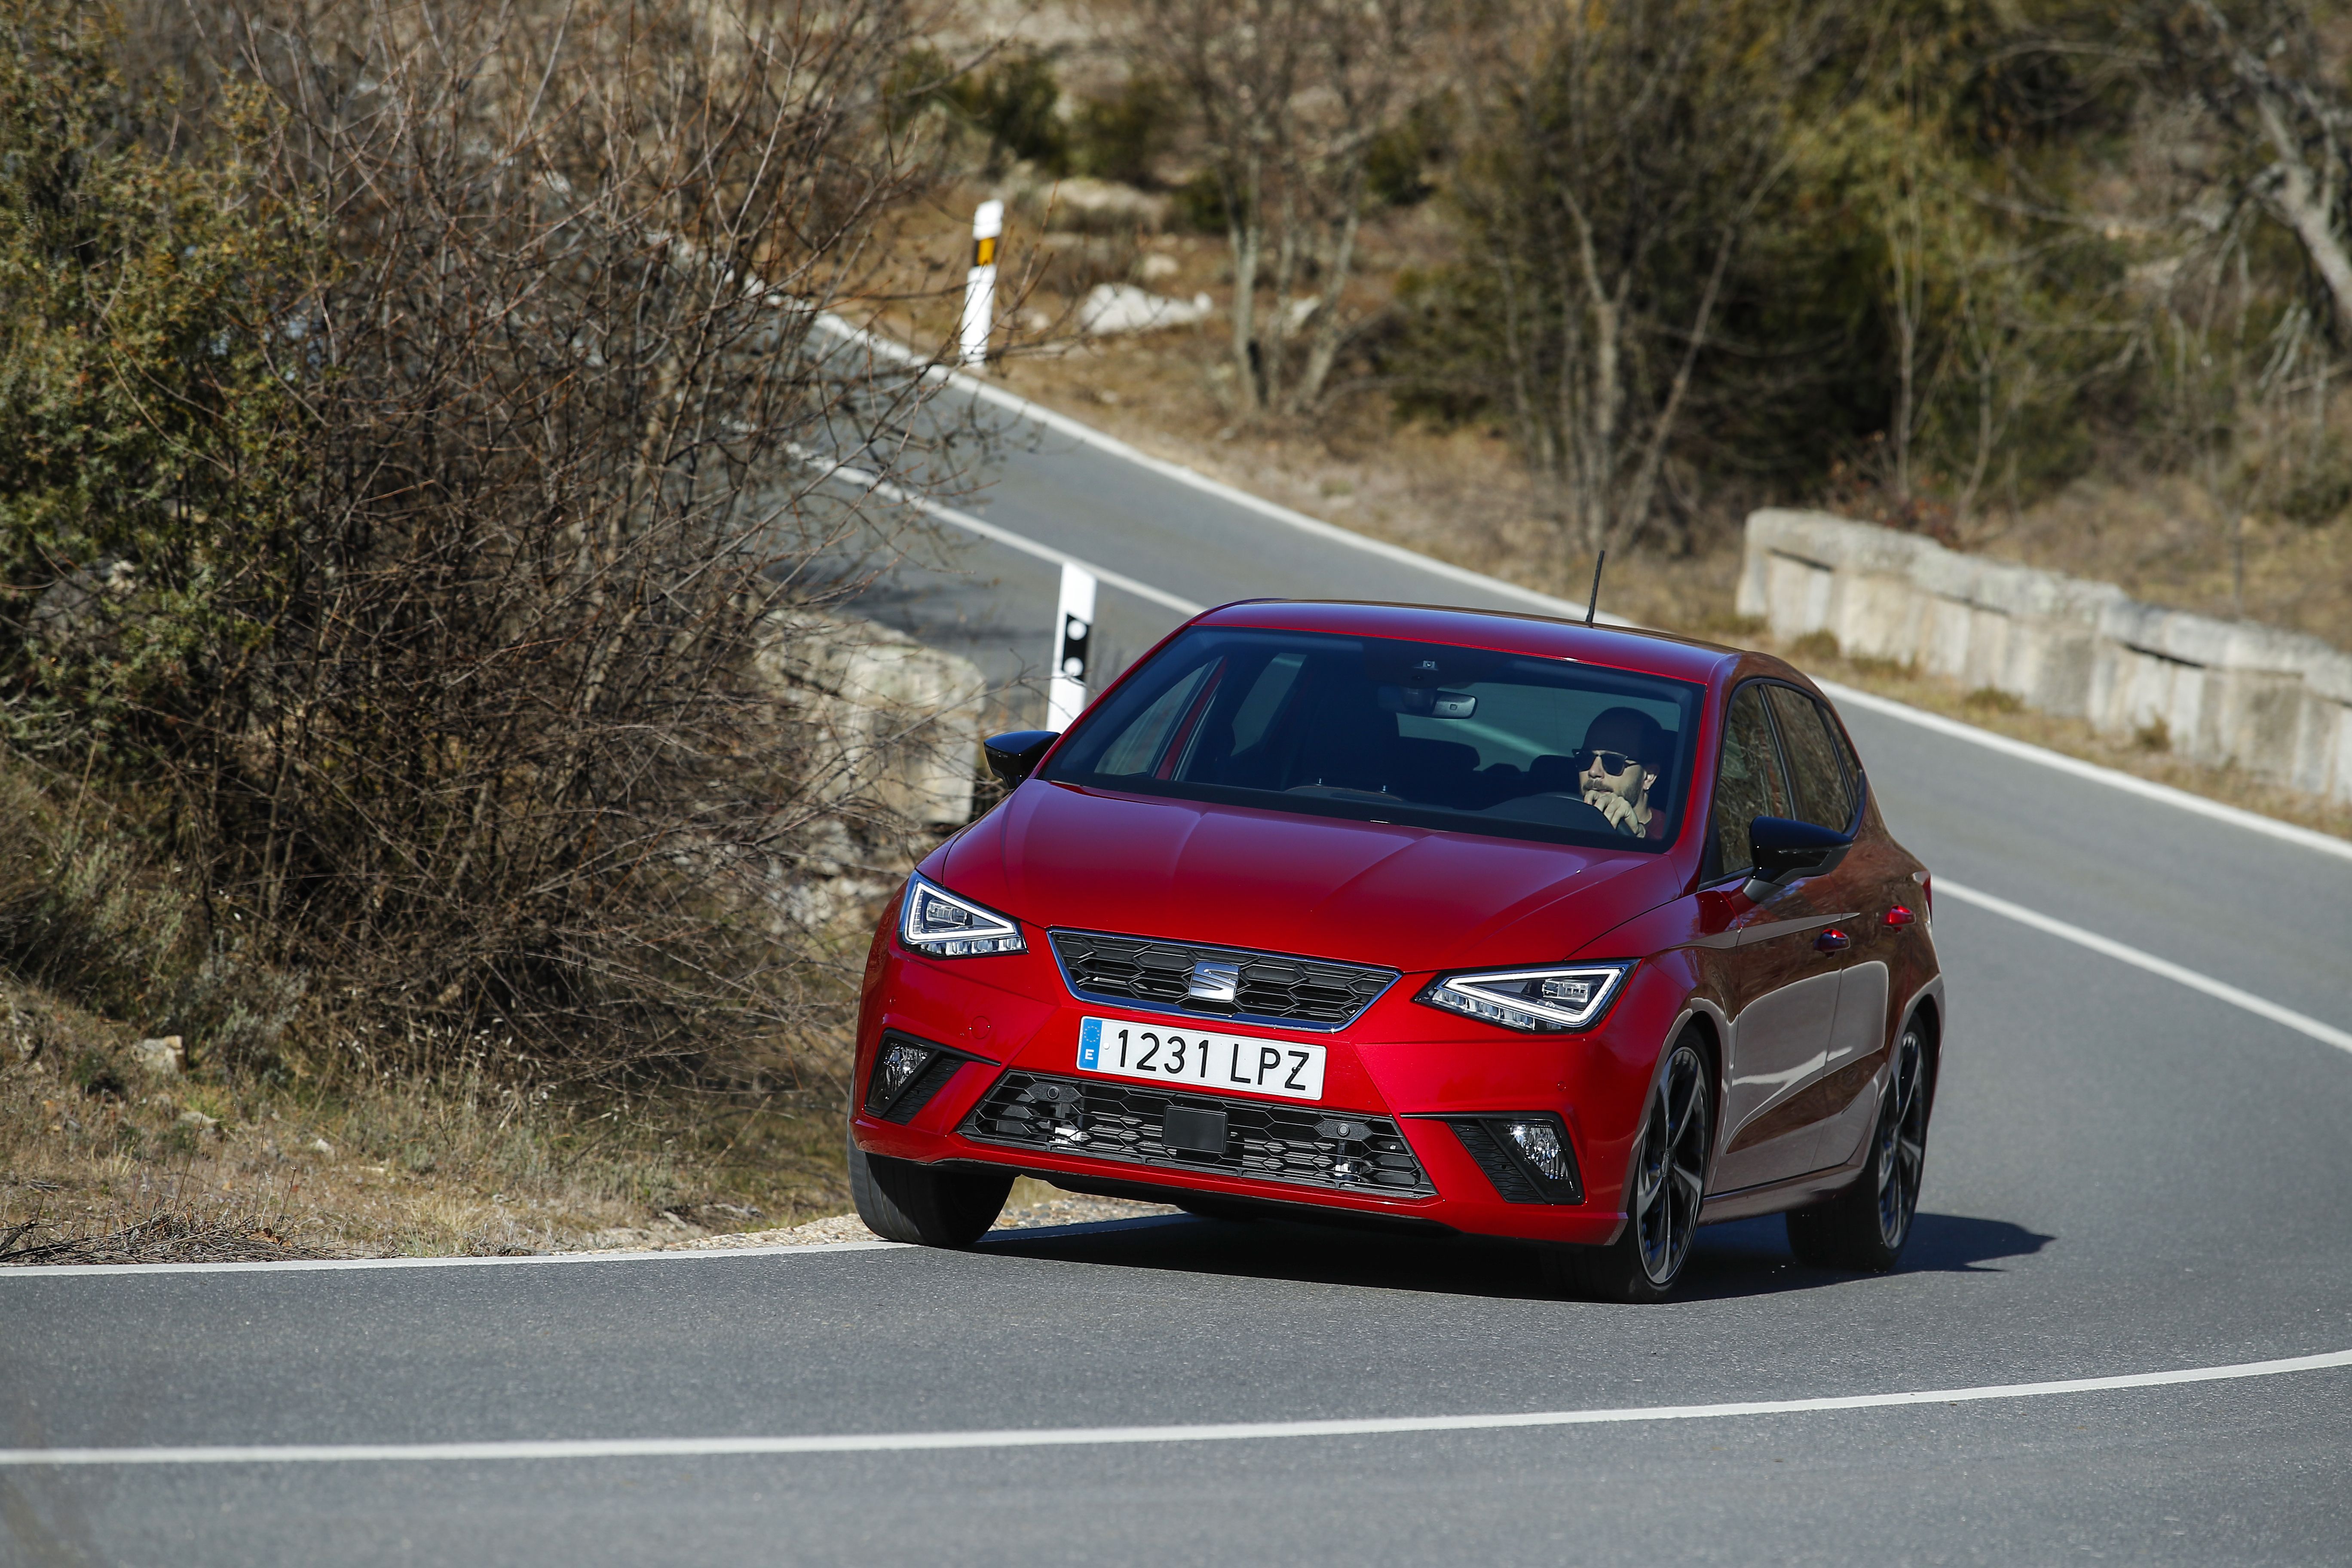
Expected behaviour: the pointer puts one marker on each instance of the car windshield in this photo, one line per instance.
(1380, 729)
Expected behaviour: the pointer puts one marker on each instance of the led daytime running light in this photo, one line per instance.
(936, 923)
(1539, 1001)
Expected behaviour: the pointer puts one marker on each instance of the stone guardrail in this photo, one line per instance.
(2276, 704)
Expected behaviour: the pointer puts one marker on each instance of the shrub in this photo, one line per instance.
(416, 440)
(1117, 138)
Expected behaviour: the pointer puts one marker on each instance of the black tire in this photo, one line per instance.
(1669, 1183)
(901, 1201)
(1864, 1228)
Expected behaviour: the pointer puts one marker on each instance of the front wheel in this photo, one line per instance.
(1669, 1183)
(902, 1201)
(1865, 1226)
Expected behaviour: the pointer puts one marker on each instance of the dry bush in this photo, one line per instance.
(450, 703)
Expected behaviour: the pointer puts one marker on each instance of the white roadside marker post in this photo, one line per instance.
(980, 283)
(1066, 693)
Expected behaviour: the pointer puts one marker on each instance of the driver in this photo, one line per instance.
(1618, 766)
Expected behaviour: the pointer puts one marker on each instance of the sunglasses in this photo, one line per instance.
(1611, 762)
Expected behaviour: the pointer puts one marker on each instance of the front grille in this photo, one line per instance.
(1309, 1145)
(1137, 972)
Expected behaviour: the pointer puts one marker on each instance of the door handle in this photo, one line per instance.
(1832, 941)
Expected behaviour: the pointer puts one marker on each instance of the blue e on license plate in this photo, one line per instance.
(1117, 1047)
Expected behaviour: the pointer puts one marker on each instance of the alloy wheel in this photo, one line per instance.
(1902, 1141)
(1670, 1176)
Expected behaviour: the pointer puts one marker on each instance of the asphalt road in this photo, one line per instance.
(2126, 1176)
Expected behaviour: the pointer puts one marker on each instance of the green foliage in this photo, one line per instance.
(95, 1074)
(1015, 102)
(2320, 495)
(1200, 204)
(154, 289)
(1117, 138)
(1398, 164)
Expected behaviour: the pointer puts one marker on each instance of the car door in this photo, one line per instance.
(1783, 975)
(1827, 780)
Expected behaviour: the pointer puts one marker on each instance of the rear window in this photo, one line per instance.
(1379, 730)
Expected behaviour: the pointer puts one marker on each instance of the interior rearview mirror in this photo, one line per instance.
(1014, 755)
(1427, 702)
(1782, 848)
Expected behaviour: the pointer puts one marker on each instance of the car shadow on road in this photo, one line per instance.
(1741, 1257)
(1751, 1256)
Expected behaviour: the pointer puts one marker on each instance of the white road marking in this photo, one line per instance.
(1100, 1437)
(1005, 536)
(321, 1265)
(2325, 1033)
(2254, 822)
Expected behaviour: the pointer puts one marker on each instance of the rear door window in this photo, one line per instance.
(1824, 796)
(1748, 783)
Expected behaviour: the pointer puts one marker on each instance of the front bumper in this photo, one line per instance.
(1398, 1132)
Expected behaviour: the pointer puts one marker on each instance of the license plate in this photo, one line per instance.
(1119, 1048)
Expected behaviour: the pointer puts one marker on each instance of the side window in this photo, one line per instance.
(1748, 783)
(1825, 798)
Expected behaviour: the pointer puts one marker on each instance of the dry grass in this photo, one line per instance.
(102, 1164)
(101, 1161)
(2167, 543)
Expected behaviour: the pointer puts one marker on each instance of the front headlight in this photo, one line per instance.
(934, 921)
(1571, 996)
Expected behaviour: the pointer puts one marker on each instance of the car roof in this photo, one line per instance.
(1502, 631)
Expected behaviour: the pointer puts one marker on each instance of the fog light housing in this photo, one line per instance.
(907, 1073)
(1527, 1156)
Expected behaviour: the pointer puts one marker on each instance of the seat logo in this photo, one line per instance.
(1214, 982)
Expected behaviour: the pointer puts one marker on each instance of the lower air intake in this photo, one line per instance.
(1310, 1146)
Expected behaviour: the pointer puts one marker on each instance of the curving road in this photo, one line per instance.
(2128, 1175)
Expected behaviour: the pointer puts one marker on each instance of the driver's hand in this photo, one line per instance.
(1613, 805)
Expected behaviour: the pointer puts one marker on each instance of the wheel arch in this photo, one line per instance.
(1704, 1018)
(1927, 1015)
(1701, 1018)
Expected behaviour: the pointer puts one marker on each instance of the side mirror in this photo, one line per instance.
(1015, 756)
(1783, 848)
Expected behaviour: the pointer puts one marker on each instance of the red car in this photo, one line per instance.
(1432, 917)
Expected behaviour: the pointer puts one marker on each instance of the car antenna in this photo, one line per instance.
(1595, 603)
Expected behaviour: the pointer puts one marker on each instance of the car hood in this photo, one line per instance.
(1055, 855)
